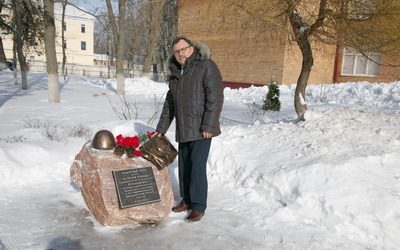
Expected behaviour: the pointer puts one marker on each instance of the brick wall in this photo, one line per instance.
(248, 52)
(322, 70)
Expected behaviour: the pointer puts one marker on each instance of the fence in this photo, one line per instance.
(94, 70)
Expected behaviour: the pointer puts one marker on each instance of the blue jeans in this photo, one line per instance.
(193, 184)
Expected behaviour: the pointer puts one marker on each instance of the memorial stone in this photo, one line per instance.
(96, 172)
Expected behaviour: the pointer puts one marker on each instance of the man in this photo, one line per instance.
(195, 100)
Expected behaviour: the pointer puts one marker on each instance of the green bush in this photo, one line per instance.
(271, 101)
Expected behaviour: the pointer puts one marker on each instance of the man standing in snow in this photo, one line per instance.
(195, 99)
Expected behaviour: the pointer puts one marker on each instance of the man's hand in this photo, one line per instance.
(206, 134)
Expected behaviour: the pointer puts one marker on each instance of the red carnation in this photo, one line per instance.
(135, 141)
(119, 139)
(126, 142)
(137, 153)
(130, 144)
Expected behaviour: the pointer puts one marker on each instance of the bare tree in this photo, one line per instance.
(101, 33)
(103, 40)
(2, 23)
(26, 36)
(138, 32)
(15, 74)
(64, 4)
(135, 33)
(50, 48)
(2, 54)
(119, 40)
(169, 30)
(8, 27)
(302, 32)
(18, 7)
(155, 12)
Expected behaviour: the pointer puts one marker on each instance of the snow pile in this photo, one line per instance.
(331, 182)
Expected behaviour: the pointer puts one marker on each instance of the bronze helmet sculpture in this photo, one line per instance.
(103, 139)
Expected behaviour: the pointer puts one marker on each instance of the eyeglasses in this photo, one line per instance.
(178, 52)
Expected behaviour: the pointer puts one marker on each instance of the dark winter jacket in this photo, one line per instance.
(194, 98)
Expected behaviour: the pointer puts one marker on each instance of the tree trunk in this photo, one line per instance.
(22, 64)
(19, 43)
(50, 49)
(121, 49)
(119, 40)
(15, 75)
(300, 93)
(156, 8)
(2, 54)
(64, 58)
(301, 32)
(109, 55)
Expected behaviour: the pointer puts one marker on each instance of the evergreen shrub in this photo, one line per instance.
(271, 101)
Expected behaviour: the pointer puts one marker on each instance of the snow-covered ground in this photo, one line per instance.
(331, 182)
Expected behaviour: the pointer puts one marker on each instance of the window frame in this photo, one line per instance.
(83, 28)
(358, 57)
(83, 45)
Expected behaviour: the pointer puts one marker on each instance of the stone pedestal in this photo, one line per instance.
(92, 171)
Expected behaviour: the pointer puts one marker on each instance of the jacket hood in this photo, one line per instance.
(202, 52)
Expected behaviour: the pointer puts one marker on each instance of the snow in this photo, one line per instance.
(331, 182)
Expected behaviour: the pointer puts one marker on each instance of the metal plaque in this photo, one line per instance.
(136, 186)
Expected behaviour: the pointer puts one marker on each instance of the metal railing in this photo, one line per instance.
(101, 71)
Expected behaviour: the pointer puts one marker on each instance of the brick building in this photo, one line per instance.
(251, 53)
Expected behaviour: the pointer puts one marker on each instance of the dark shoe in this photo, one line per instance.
(194, 216)
(182, 207)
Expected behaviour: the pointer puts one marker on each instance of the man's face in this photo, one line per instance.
(182, 51)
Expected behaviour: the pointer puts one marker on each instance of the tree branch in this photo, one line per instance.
(112, 21)
(322, 13)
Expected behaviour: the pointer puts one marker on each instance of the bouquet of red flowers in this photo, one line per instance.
(130, 145)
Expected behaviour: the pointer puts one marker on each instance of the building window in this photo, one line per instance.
(361, 9)
(83, 45)
(64, 26)
(357, 64)
(65, 44)
(83, 28)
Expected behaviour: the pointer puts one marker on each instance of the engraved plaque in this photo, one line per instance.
(136, 187)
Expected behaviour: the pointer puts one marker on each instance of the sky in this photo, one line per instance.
(90, 5)
(331, 182)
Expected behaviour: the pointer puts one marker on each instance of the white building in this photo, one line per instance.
(79, 41)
